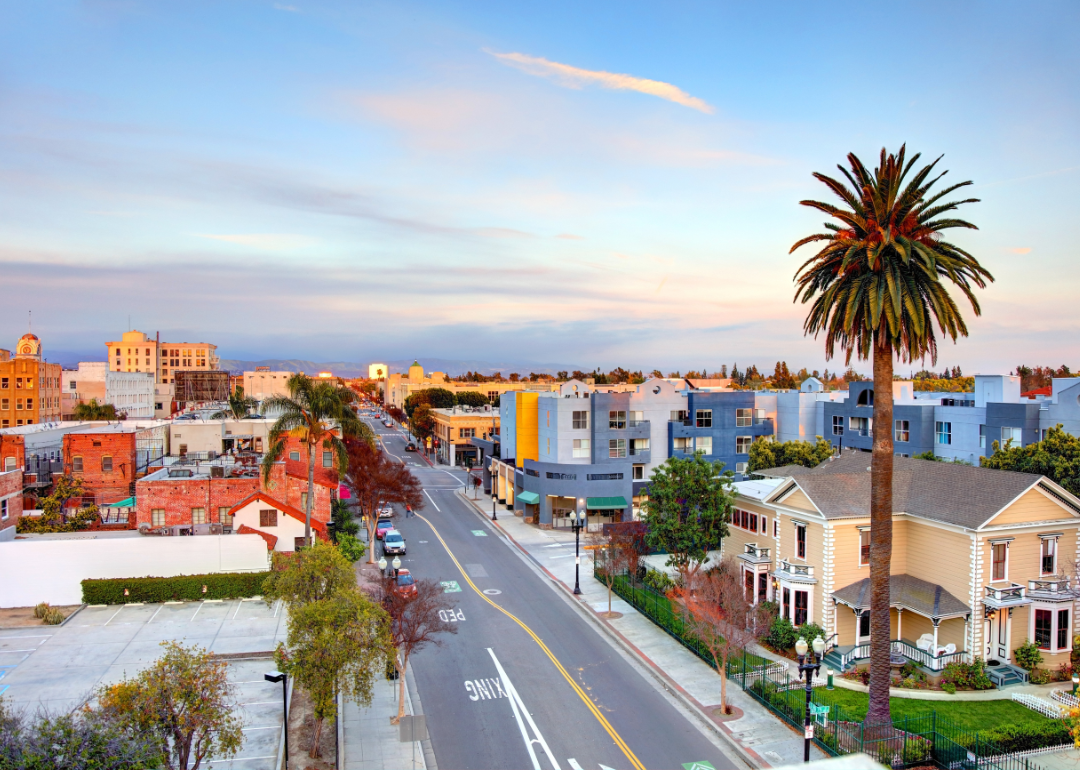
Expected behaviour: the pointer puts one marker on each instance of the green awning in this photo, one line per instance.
(528, 497)
(128, 502)
(598, 503)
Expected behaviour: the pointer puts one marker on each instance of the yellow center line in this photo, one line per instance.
(566, 675)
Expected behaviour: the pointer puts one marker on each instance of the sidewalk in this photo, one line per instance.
(762, 739)
(370, 742)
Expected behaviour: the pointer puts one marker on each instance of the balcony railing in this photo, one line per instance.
(1012, 595)
(924, 658)
(637, 423)
(1050, 587)
(751, 552)
(786, 568)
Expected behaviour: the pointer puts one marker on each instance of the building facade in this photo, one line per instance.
(456, 427)
(131, 393)
(136, 352)
(722, 425)
(11, 497)
(263, 383)
(81, 386)
(29, 387)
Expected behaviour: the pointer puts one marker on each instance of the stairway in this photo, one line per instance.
(834, 657)
(1005, 675)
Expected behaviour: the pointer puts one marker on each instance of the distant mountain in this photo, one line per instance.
(353, 369)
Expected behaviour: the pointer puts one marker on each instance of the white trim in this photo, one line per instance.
(768, 498)
(1053, 610)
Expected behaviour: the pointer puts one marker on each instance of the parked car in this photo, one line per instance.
(386, 510)
(404, 584)
(410, 447)
(382, 527)
(393, 543)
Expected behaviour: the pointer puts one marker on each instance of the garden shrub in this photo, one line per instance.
(1027, 655)
(966, 676)
(1013, 737)
(1039, 676)
(226, 585)
(659, 581)
(916, 750)
(949, 687)
(781, 634)
(809, 632)
(53, 617)
(351, 548)
(40, 610)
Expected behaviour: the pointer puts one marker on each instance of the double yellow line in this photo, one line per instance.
(551, 656)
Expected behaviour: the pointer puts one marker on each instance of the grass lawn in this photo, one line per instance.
(971, 715)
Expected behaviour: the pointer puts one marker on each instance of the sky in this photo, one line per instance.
(591, 184)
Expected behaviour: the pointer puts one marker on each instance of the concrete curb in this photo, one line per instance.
(750, 757)
(418, 708)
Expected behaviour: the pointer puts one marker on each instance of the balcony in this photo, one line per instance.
(755, 555)
(798, 573)
(1055, 588)
(637, 423)
(1008, 596)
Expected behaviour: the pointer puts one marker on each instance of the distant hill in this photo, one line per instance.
(354, 369)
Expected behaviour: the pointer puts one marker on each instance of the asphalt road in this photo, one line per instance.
(474, 719)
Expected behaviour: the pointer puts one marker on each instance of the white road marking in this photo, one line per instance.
(562, 556)
(154, 615)
(107, 622)
(519, 709)
(574, 764)
(196, 612)
(554, 545)
(432, 499)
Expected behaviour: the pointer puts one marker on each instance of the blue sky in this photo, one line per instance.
(596, 184)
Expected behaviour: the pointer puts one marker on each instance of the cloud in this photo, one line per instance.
(289, 8)
(1021, 250)
(502, 232)
(575, 77)
(263, 240)
(570, 237)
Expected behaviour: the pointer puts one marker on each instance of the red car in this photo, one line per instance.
(384, 526)
(404, 585)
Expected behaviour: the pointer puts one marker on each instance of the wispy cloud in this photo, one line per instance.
(1021, 250)
(570, 237)
(263, 240)
(574, 77)
(289, 8)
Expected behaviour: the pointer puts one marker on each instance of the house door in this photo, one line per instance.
(763, 587)
(998, 631)
(748, 578)
(864, 628)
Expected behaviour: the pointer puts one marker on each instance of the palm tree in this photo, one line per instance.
(238, 405)
(878, 287)
(312, 412)
(94, 411)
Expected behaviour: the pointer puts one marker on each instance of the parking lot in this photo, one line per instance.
(58, 668)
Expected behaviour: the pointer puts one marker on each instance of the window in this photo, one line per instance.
(860, 425)
(943, 432)
(327, 459)
(776, 528)
(294, 455)
(617, 447)
(616, 420)
(902, 433)
(581, 420)
(1063, 630)
(1044, 620)
(802, 608)
(683, 444)
(581, 447)
(604, 476)
(742, 467)
(982, 437)
(4, 383)
(704, 444)
(73, 385)
(299, 543)
(838, 425)
(639, 445)
(223, 515)
(106, 463)
(800, 541)
(703, 418)
(639, 473)
(3, 508)
(864, 625)
(1007, 434)
(742, 444)
(864, 547)
(267, 517)
(866, 398)
(786, 606)
(471, 432)
(198, 515)
(1048, 556)
(18, 403)
(5, 404)
(9, 464)
(678, 415)
(76, 464)
(18, 382)
(1000, 560)
(744, 418)
(157, 517)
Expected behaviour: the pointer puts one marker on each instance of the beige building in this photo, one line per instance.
(136, 352)
(80, 386)
(202, 437)
(981, 558)
(455, 427)
(378, 371)
(398, 387)
(263, 383)
(29, 387)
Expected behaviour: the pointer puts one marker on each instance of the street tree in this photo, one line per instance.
(1057, 457)
(436, 398)
(776, 454)
(308, 575)
(92, 410)
(185, 701)
(376, 479)
(617, 553)
(876, 288)
(53, 516)
(342, 518)
(687, 511)
(715, 609)
(318, 414)
(472, 398)
(422, 423)
(338, 643)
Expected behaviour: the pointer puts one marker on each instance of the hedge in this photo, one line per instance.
(229, 585)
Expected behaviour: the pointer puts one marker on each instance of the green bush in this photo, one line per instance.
(781, 634)
(916, 751)
(1009, 738)
(810, 632)
(53, 617)
(226, 585)
(1027, 655)
(351, 548)
(966, 676)
(1039, 676)
(949, 687)
(659, 581)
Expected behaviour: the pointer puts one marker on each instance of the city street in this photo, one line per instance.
(526, 682)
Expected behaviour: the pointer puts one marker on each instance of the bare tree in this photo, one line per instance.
(376, 480)
(616, 553)
(716, 610)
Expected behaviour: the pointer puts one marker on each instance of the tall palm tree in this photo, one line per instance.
(312, 412)
(878, 286)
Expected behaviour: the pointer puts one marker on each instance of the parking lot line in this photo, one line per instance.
(107, 622)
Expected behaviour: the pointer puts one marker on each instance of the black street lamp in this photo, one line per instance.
(809, 664)
(577, 521)
(275, 677)
(494, 516)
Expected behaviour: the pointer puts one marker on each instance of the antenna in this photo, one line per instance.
(30, 322)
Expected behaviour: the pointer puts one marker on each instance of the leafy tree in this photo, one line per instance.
(687, 511)
(315, 413)
(308, 575)
(351, 547)
(185, 701)
(422, 423)
(472, 398)
(239, 405)
(343, 521)
(562, 376)
(776, 454)
(336, 644)
(436, 398)
(952, 385)
(92, 411)
(1057, 457)
(657, 374)
(782, 377)
(877, 287)
(929, 455)
(53, 518)
(378, 480)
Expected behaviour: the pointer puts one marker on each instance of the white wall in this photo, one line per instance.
(51, 570)
(286, 531)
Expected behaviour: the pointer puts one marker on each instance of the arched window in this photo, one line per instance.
(866, 398)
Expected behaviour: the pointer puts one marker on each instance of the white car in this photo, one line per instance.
(386, 511)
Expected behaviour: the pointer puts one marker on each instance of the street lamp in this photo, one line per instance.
(382, 565)
(494, 516)
(275, 677)
(577, 521)
(809, 664)
(396, 564)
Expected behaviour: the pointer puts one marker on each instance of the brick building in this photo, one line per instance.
(12, 452)
(105, 462)
(11, 505)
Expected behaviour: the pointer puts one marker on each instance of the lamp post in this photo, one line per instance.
(494, 516)
(275, 677)
(382, 565)
(809, 664)
(577, 521)
(396, 564)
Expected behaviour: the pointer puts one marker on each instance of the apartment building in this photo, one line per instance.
(136, 352)
(456, 427)
(81, 386)
(264, 383)
(29, 387)
(722, 425)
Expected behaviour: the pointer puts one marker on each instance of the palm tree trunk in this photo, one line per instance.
(881, 511)
(310, 493)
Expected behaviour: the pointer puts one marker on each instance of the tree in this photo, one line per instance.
(308, 575)
(92, 411)
(335, 644)
(377, 480)
(351, 547)
(716, 610)
(184, 700)
(342, 519)
(1057, 457)
(878, 286)
(776, 454)
(436, 398)
(687, 511)
(417, 619)
(53, 518)
(422, 423)
(472, 398)
(617, 554)
(315, 413)
(782, 377)
(239, 405)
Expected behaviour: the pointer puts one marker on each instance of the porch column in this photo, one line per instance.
(899, 627)
(936, 622)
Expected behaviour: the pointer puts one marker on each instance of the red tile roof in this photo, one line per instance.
(271, 540)
(296, 513)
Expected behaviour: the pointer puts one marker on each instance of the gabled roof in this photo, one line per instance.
(271, 540)
(963, 495)
(927, 599)
(296, 513)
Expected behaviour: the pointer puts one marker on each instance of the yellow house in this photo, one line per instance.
(981, 558)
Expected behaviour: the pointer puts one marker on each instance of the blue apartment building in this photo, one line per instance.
(722, 425)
